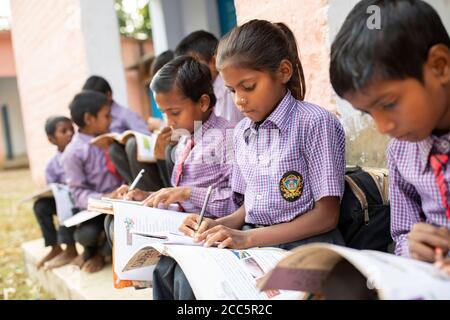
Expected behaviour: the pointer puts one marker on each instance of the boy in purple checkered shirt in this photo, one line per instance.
(402, 79)
(288, 155)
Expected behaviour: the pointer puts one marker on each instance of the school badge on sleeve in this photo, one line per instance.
(291, 186)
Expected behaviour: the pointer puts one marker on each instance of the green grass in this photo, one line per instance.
(17, 225)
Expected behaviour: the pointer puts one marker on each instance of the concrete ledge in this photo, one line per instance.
(69, 283)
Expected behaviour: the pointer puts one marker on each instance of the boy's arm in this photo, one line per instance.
(50, 175)
(405, 207)
(76, 180)
(136, 123)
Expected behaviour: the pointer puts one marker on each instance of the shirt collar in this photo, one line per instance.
(440, 143)
(84, 137)
(279, 117)
(208, 124)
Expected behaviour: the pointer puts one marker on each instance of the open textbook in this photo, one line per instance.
(97, 207)
(309, 268)
(61, 194)
(141, 237)
(145, 144)
(45, 193)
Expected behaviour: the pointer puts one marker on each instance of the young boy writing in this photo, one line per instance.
(59, 132)
(401, 77)
(87, 173)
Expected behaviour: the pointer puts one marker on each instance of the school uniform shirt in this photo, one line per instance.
(225, 106)
(207, 164)
(86, 171)
(414, 194)
(124, 119)
(285, 164)
(54, 171)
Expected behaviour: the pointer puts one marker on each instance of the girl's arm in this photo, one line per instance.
(323, 218)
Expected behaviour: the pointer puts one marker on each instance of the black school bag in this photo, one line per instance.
(365, 212)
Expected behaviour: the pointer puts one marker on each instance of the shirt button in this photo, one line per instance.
(260, 158)
(445, 144)
(258, 197)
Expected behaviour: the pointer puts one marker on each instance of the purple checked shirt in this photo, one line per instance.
(207, 165)
(54, 172)
(124, 119)
(86, 172)
(225, 106)
(414, 195)
(299, 144)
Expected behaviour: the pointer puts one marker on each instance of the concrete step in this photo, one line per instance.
(69, 283)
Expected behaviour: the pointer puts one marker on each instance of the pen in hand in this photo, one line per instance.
(205, 204)
(135, 181)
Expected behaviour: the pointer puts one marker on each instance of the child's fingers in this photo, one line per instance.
(204, 226)
(432, 239)
(420, 251)
(186, 230)
(212, 238)
(227, 243)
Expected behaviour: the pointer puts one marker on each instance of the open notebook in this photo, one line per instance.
(141, 236)
(145, 144)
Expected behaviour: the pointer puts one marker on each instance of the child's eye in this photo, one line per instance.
(249, 88)
(174, 113)
(231, 90)
(389, 106)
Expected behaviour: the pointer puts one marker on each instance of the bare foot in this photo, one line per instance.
(94, 264)
(65, 257)
(78, 261)
(53, 253)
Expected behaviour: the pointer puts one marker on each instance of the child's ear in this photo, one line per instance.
(87, 118)
(51, 139)
(204, 102)
(439, 62)
(285, 71)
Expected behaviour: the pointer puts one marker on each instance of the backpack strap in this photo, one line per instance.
(359, 194)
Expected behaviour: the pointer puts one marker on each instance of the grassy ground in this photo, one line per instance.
(17, 225)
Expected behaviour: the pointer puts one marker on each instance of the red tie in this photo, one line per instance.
(184, 155)
(110, 165)
(438, 162)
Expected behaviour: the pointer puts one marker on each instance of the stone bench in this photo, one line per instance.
(69, 283)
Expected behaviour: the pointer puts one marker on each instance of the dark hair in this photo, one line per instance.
(160, 60)
(200, 43)
(52, 123)
(87, 101)
(262, 45)
(97, 83)
(409, 28)
(190, 76)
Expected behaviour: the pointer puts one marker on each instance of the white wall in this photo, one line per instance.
(100, 29)
(172, 20)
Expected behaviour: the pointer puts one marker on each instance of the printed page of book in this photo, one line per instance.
(145, 219)
(63, 200)
(104, 140)
(394, 277)
(145, 147)
(224, 274)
